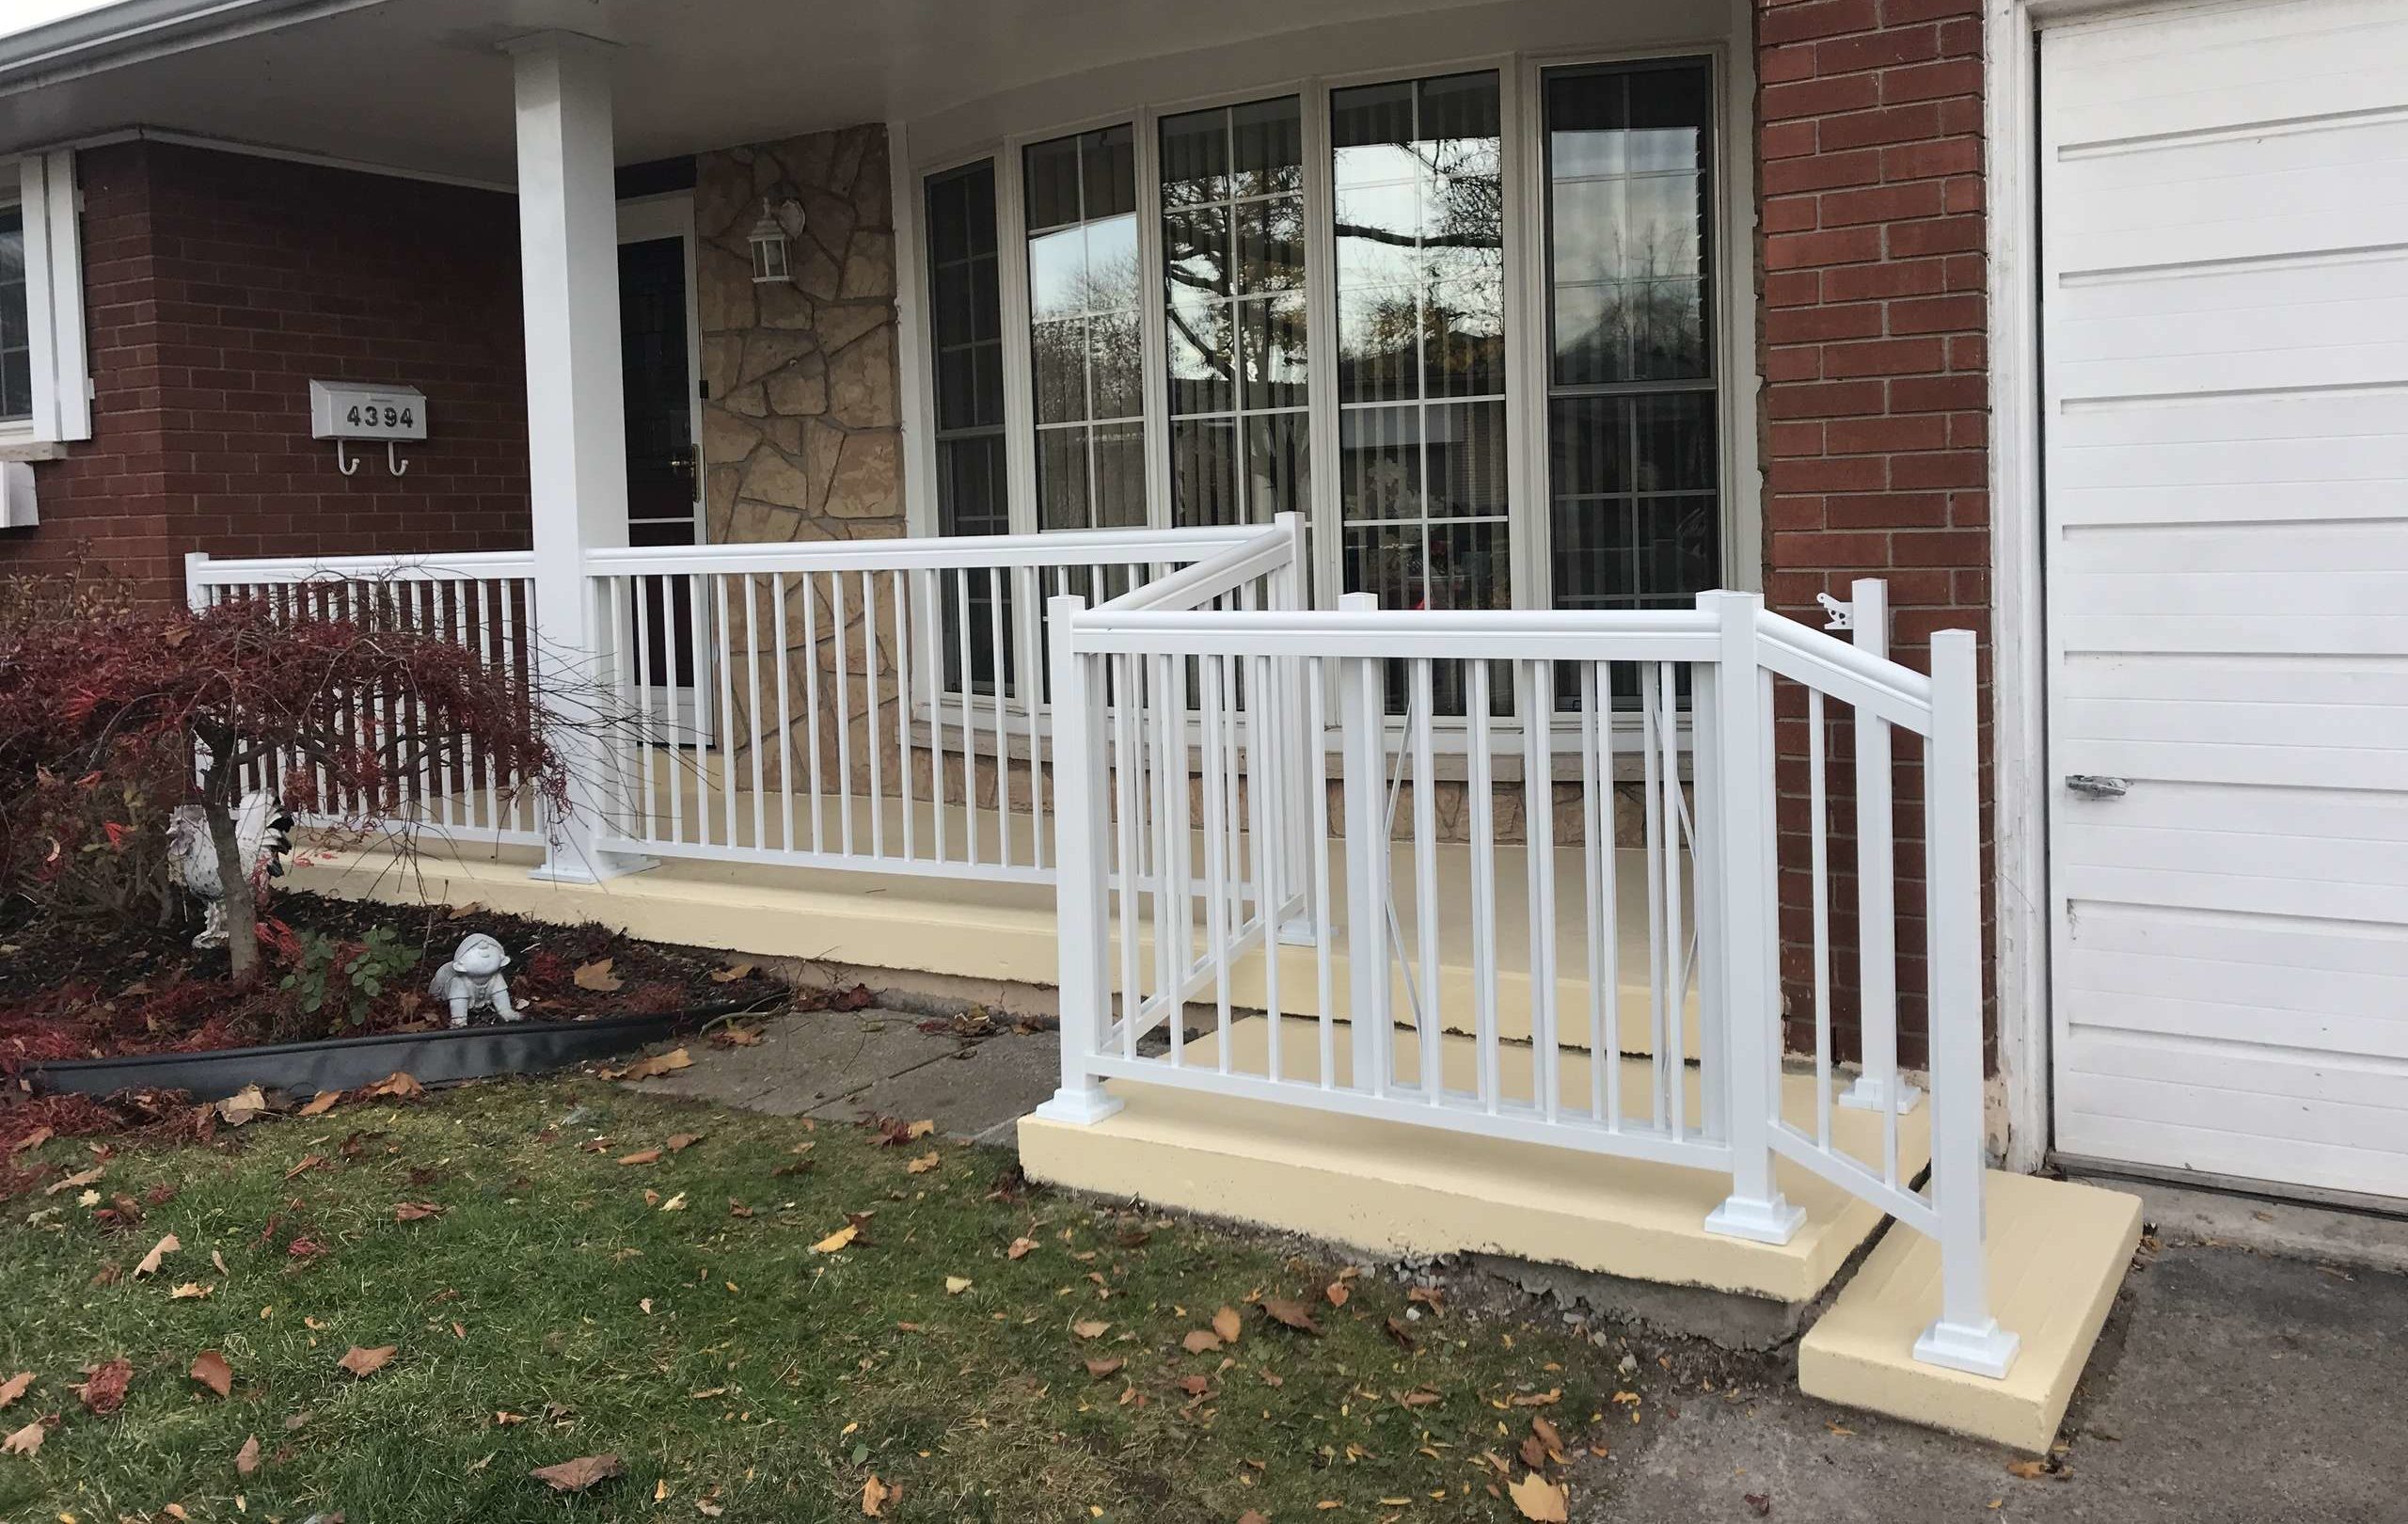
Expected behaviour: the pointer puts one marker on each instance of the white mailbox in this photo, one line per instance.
(360, 410)
(341, 410)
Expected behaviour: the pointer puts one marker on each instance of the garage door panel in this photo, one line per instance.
(2238, 1105)
(2210, 1150)
(2107, 976)
(2238, 68)
(2175, 549)
(2372, 634)
(2215, 849)
(2267, 594)
(2347, 949)
(2268, 417)
(2178, 803)
(2212, 503)
(2225, 200)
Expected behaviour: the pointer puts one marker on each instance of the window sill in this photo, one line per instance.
(21, 445)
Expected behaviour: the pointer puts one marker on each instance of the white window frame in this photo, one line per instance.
(58, 358)
(1519, 74)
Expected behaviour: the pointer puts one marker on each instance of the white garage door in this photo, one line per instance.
(2225, 291)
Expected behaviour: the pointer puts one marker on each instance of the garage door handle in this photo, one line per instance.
(2097, 785)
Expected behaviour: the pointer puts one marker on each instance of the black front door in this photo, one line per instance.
(662, 468)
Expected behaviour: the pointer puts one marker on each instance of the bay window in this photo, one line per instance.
(1464, 321)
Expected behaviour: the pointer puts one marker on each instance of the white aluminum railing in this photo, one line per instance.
(483, 600)
(1158, 975)
(874, 705)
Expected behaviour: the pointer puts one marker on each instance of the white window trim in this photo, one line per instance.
(1518, 76)
(58, 358)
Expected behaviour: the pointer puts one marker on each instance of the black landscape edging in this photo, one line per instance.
(348, 1063)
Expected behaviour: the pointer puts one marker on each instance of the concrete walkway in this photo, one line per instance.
(2254, 1370)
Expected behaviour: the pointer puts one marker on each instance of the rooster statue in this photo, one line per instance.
(263, 836)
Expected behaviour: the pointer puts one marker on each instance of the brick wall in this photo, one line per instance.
(219, 285)
(1876, 423)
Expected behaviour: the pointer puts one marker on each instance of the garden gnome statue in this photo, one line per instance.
(262, 835)
(472, 980)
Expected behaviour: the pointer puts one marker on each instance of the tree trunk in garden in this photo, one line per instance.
(241, 909)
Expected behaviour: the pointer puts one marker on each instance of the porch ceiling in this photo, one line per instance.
(421, 85)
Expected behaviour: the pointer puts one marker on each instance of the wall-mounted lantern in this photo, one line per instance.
(769, 241)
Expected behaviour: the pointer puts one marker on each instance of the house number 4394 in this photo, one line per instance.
(370, 416)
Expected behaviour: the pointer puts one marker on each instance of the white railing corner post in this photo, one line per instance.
(1362, 729)
(196, 588)
(1081, 838)
(1877, 1082)
(1750, 1014)
(1291, 592)
(1966, 1336)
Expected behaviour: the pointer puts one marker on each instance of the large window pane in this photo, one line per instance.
(1086, 358)
(1233, 265)
(1421, 374)
(1635, 496)
(966, 340)
(16, 356)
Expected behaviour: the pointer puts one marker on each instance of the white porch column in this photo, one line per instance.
(568, 243)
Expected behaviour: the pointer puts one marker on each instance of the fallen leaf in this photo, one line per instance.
(1098, 1369)
(1021, 1248)
(837, 1240)
(246, 1105)
(875, 1495)
(657, 1065)
(103, 1387)
(1251, 1516)
(28, 1440)
(32, 1140)
(598, 977)
(321, 1103)
(1424, 1397)
(578, 1474)
(956, 1285)
(680, 1142)
(1540, 1499)
(396, 1086)
(1201, 1341)
(75, 1182)
(247, 1459)
(150, 1266)
(731, 973)
(210, 1369)
(675, 1203)
(1398, 1332)
(15, 1387)
(1228, 1324)
(1336, 1293)
(366, 1362)
(415, 1210)
(919, 1130)
(1194, 1386)
(1759, 1503)
(1290, 1314)
(738, 1036)
(642, 1156)
(1090, 1328)
(922, 1164)
(191, 1291)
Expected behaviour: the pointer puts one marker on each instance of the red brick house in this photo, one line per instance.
(2069, 321)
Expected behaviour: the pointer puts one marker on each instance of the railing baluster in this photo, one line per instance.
(786, 716)
(1819, 854)
(872, 725)
(684, 728)
(722, 650)
(1324, 961)
(1482, 806)
(1126, 785)
(1266, 793)
(899, 588)
(969, 724)
(1660, 1059)
(1211, 678)
(752, 712)
(1425, 879)
(811, 707)
(1538, 848)
(1003, 745)
(1675, 951)
(839, 616)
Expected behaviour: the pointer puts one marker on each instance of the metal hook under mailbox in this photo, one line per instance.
(394, 461)
(346, 467)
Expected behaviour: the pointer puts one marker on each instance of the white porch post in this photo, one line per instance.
(568, 243)
(1082, 868)
(1877, 1083)
(1738, 775)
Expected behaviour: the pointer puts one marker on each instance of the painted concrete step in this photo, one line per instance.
(1395, 1188)
(2057, 1251)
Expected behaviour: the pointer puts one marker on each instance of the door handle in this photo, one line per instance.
(2097, 785)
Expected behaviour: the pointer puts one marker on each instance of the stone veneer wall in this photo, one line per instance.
(801, 436)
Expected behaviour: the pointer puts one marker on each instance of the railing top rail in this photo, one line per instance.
(1801, 652)
(201, 570)
(1493, 635)
(1265, 551)
(1067, 547)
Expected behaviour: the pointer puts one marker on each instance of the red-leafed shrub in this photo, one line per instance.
(109, 720)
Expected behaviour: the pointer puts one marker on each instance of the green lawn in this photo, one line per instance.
(676, 1313)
